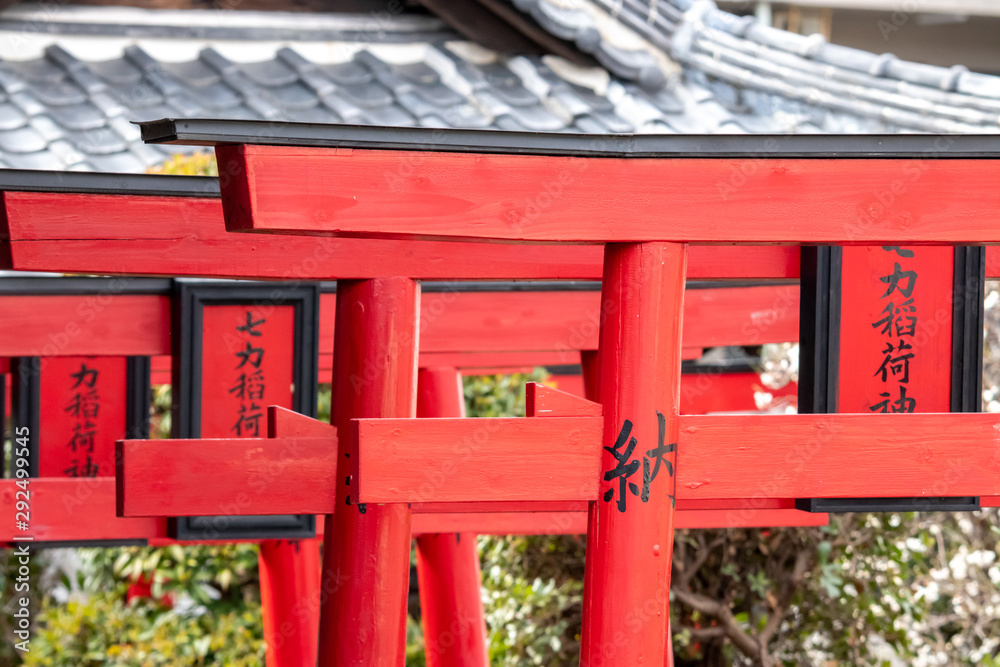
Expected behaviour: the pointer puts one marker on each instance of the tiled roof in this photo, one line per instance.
(766, 72)
(60, 111)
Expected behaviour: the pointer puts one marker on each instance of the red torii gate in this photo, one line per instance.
(36, 212)
(468, 186)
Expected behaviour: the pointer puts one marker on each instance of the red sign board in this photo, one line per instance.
(82, 413)
(896, 329)
(247, 364)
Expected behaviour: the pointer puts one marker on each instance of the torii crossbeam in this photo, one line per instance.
(646, 198)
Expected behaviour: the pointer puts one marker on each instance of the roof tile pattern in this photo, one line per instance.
(61, 112)
(763, 71)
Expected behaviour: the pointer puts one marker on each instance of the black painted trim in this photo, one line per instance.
(138, 397)
(190, 298)
(3, 426)
(843, 505)
(101, 183)
(59, 286)
(819, 328)
(209, 132)
(26, 403)
(967, 329)
(89, 544)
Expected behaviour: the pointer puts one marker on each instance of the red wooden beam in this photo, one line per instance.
(76, 325)
(495, 329)
(575, 523)
(844, 455)
(288, 190)
(184, 236)
(732, 456)
(467, 460)
(542, 401)
(568, 321)
(262, 476)
(83, 510)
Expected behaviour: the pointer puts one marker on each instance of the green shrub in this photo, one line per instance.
(105, 631)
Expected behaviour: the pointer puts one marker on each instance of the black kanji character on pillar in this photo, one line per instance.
(85, 376)
(84, 406)
(249, 386)
(902, 404)
(902, 252)
(657, 455)
(624, 469)
(250, 325)
(83, 437)
(248, 422)
(245, 355)
(893, 281)
(900, 364)
(906, 325)
(89, 469)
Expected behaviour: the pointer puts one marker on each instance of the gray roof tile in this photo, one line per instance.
(22, 140)
(119, 71)
(43, 159)
(136, 94)
(11, 117)
(27, 103)
(48, 128)
(391, 115)
(99, 141)
(196, 72)
(347, 74)
(40, 70)
(270, 73)
(117, 162)
(216, 96)
(366, 95)
(84, 116)
(58, 93)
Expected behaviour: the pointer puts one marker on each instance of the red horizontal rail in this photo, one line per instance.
(509, 197)
(538, 328)
(83, 510)
(245, 476)
(180, 236)
(732, 456)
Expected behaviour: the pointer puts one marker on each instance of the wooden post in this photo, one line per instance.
(448, 563)
(366, 562)
(289, 597)
(631, 526)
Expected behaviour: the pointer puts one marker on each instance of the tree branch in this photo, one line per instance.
(744, 642)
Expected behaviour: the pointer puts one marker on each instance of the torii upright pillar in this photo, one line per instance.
(366, 565)
(631, 531)
(451, 605)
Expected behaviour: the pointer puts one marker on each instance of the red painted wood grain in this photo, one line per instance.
(182, 236)
(542, 401)
(465, 460)
(225, 476)
(479, 196)
(836, 456)
(79, 325)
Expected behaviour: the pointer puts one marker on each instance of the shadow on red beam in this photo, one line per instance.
(83, 510)
(575, 523)
(186, 236)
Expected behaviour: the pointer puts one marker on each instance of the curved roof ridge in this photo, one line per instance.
(743, 53)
